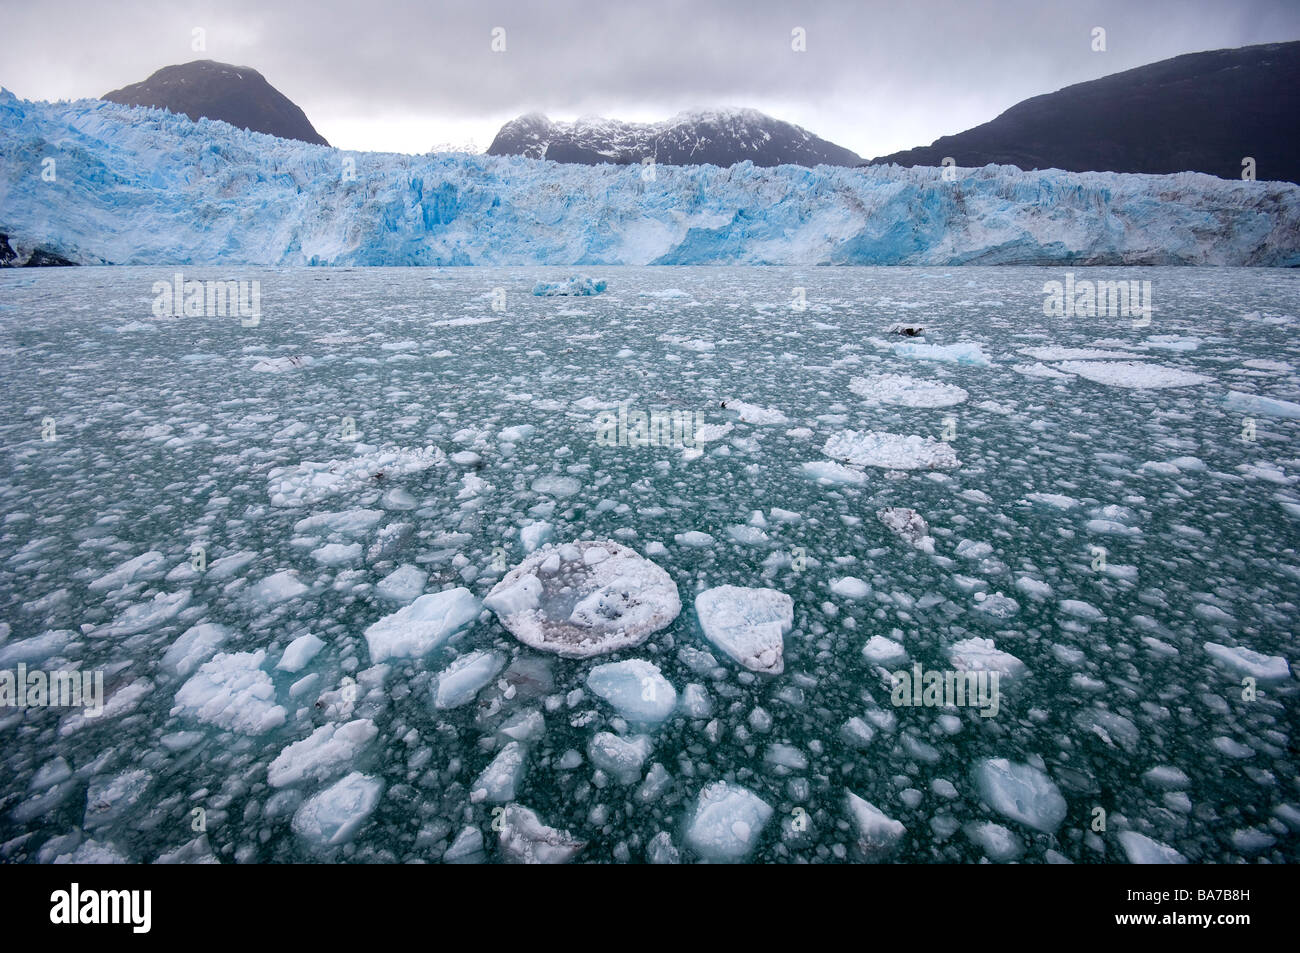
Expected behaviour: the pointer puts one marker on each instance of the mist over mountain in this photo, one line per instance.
(719, 137)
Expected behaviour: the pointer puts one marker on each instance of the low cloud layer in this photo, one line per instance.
(403, 76)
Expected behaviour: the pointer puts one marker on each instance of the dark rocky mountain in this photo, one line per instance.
(1200, 112)
(234, 94)
(713, 137)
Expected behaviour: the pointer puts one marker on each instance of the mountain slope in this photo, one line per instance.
(1201, 112)
(234, 94)
(153, 188)
(713, 137)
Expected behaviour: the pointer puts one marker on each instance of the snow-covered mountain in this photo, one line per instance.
(234, 94)
(719, 137)
(145, 186)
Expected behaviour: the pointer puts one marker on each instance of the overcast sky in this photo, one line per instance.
(404, 75)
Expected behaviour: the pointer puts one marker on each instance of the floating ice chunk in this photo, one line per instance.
(299, 653)
(1021, 792)
(232, 692)
(144, 616)
(144, 566)
(996, 841)
(500, 779)
(1041, 370)
(970, 549)
(337, 554)
(1255, 664)
(108, 799)
(827, 473)
(883, 651)
(1255, 404)
(1082, 610)
(276, 588)
(1132, 374)
(277, 365)
(321, 753)
(981, 655)
(907, 391)
(558, 486)
(36, 649)
(526, 840)
(517, 433)
(334, 815)
(196, 851)
(890, 451)
(636, 688)
(851, 587)
(416, 630)
(1166, 777)
(1034, 588)
(1141, 849)
(908, 525)
(878, 834)
(309, 483)
(747, 624)
(585, 598)
(404, 584)
(1172, 342)
(727, 822)
(467, 848)
(460, 681)
(960, 353)
(1075, 354)
(1053, 499)
(753, 414)
(535, 535)
(195, 645)
(620, 758)
(694, 539)
(578, 285)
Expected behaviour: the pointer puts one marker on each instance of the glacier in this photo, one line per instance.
(144, 186)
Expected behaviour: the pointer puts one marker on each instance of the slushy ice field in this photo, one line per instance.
(275, 542)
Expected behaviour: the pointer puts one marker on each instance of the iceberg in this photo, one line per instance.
(416, 630)
(334, 815)
(727, 822)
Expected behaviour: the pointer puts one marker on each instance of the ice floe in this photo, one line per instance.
(585, 598)
(890, 451)
(907, 391)
(748, 624)
(416, 630)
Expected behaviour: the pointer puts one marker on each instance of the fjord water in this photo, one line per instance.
(171, 433)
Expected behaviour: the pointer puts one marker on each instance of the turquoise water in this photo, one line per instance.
(166, 437)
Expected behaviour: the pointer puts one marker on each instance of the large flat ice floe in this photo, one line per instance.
(416, 630)
(890, 451)
(585, 598)
(1132, 374)
(309, 483)
(907, 391)
(748, 624)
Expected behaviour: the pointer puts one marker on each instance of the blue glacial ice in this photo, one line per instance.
(144, 187)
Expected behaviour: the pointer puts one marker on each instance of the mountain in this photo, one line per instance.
(1200, 112)
(133, 197)
(234, 94)
(712, 137)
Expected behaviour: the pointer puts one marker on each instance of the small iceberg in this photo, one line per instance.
(577, 285)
